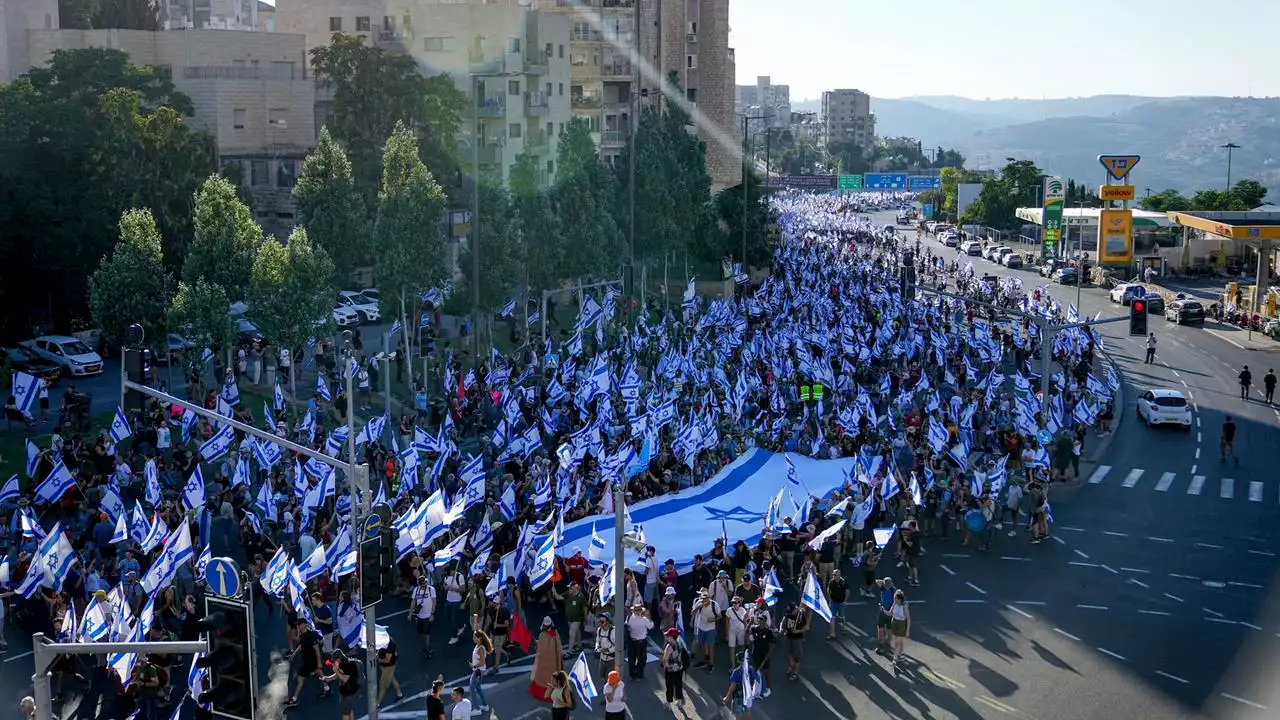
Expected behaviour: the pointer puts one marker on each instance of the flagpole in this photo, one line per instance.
(619, 575)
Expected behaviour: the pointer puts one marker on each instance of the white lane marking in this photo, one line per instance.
(1155, 612)
(1264, 553)
(1199, 436)
(1077, 563)
(1197, 484)
(1058, 540)
(1209, 546)
(1197, 422)
(1160, 539)
(1197, 453)
(397, 613)
(955, 555)
(1019, 559)
(1099, 475)
(976, 589)
(1245, 584)
(1255, 491)
(1071, 528)
(11, 658)
(1250, 625)
(1212, 612)
(1228, 488)
(1092, 607)
(1113, 572)
(948, 570)
(1132, 478)
(1135, 570)
(1028, 602)
(1175, 373)
(1183, 577)
(1139, 583)
(1166, 479)
(1086, 557)
(1173, 597)
(970, 602)
(1193, 469)
(1175, 678)
(1221, 621)
(1115, 534)
(1117, 656)
(1066, 634)
(1024, 614)
(1242, 701)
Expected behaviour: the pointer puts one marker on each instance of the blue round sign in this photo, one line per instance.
(1045, 437)
(223, 576)
(372, 527)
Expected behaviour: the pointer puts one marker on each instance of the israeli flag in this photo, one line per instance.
(322, 388)
(120, 427)
(268, 416)
(451, 552)
(597, 545)
(231, 393)
(26, 388)
(122, 531)
(202, 563)
(112, 504)
(507, 503)
(94, 626)
(152, 477)
(544, 565)
(10, 489)
(31, 583)
(218, 445)
(193, 492)
(346, 565)
(315, 565)
(196, 677)
(33, 459)
(57, 556)
(814, 598)
(481, 539)
(749, 687)
(56, 485)
(266, 501)
(580, 679)
(156, 532)
(791, 471)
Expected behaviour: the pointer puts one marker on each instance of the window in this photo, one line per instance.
(562, 52)
(551, 128)
(287, 173)
(282, 70)
(693, 27)
(549, 51)
(237, 118)
(551, 167)
(548, 91)
(691, 62)
(258, 173)
(335, 24)
(437, 44)
(691, 95)
(513, 87)
(513, 45)
(561, 89)
(388, 24)
(278, 118)
(514, 130)
(406, 22)
(362, 23)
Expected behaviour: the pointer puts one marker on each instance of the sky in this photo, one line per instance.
(1009, 48)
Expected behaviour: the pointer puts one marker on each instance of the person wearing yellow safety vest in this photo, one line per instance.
(804, 391)
(817, 392)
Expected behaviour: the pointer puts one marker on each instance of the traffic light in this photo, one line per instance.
(1138, 316)
(135, 370)
(230, 660)
(371, 589)
(387, 562)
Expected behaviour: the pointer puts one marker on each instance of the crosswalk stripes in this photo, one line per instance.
(1197, 484)
(1228, 488)
(1255, 491)
(1165, 481)
(1133, 477)
(1099, 474)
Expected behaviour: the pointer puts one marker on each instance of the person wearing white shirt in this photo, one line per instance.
(306, 545)
(615, 697)
(651, 578)
(462, 706)
(422, 607)
(638, 627)
(739, 618)
(454, 586)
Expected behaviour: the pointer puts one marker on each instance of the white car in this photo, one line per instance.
(1122, 294)
(71, 354)
(971, 247)
(371, 293)
(949, 239)
(1001, 253)
(1164, 407)
(344, 316)
(365, 308)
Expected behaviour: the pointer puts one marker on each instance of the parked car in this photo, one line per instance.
(1162, 406)
(25, 360)
(1122, 294)
(366, 308)
(71, 354)
(344, 316)
(950, 239)
(1001, 253)
(971, 247)
(1155, 304)
(1066, 276)
(372, 294)
(1011, 260)
(1049, 267)
(1185, 312)
(246, 332)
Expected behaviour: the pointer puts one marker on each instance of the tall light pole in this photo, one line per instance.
(747, 161)
(476, 103)
(1226, 198)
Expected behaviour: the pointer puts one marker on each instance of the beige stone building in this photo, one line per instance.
(250, 91)
(846, 116)
(17, 18)
(511, 59)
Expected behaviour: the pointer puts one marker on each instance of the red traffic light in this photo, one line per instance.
(1139, 306)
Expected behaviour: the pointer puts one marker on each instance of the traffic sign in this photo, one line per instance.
(1117, 192)
(885, 181)
(848, 182)
(223, 576)
(924, 182)
(927, 211)
(1119, 166)
(1045, 437)
(372, 526)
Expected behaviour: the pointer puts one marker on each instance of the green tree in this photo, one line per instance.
(225, 241)
(408, 240)
(585, 199)
(132, 285)
(760, 222)
(104, 14)
(1165, 201)
(502, 250)
(848, 157)
(330, 206)
(83, 139)
(199, 313)
(1248, 194)
(1211, 200)
(373, 91)
(537, 225)
(290, 291)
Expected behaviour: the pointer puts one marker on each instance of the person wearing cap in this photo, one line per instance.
(606, 644)
(675, 654)
(706, 614)
(721, 590)
(309, 661)
(667, 608)
(454, 614)
(422, 608)
(748, 590)
(575, 612)
(577, 566)
(884, 605)
(739, 620)
(638, 627)
(615, 697)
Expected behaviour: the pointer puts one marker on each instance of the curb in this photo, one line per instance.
(1119, 405)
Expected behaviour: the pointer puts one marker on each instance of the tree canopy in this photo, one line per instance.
(330, 207)
(132, 285)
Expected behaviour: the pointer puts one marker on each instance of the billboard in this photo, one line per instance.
(1115, 237)
(804, 182)
(965, 194)
(885, 181)
(924, 182)
(1055, 197)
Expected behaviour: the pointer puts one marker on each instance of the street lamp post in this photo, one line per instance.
(1226, 198)
(746, 178)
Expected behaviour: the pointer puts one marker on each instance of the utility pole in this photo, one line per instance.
(1226, 198)
(633, 126)
(474, 227)
(747, 162)
(619, 571)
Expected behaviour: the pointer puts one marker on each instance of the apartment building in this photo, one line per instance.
(17, 18)
(764, 98)
(209, 14)
(510, 59)
(250, 91)
(846, 116)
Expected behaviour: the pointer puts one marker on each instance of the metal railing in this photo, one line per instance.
(616, 68)
(583, 101)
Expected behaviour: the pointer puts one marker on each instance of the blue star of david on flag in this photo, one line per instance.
(736, 514)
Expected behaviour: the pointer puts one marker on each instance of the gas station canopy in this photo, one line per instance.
(1235, 225)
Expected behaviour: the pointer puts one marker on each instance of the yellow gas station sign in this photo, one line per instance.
(1119, 166)
(1117, 192)
(1115, 237)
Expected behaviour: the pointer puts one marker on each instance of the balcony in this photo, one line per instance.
(536, 104)
(535, 64)
(494, 106)
(619, 3)
(584, 71)
(536, 141)
(616, 71)
(585, 102)
(586, 36)
(491, 153)
(613, 137)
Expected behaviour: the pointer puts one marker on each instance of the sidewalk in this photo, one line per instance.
(1242, 338)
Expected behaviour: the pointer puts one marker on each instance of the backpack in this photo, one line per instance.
(684, 656)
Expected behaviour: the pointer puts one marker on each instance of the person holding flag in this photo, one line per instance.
(744, 688)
